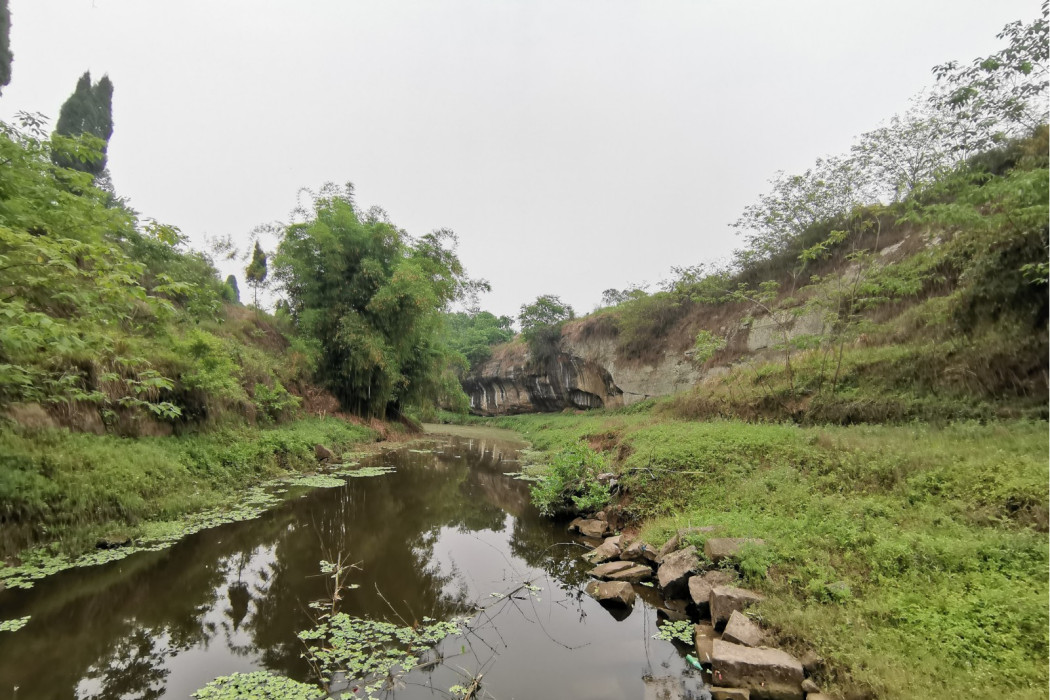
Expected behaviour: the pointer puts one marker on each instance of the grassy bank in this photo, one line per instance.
(914, 559)
(67, 490)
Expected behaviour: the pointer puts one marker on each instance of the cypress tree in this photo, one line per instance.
(5, 45)
(89, 110)
(255, 274)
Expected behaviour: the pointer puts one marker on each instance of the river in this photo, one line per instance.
(443, 534)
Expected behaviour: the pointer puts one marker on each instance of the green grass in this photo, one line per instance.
(68, 489)
(913, 558)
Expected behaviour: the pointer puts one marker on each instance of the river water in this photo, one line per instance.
(436, 537)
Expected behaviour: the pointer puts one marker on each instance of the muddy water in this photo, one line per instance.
(436, 537)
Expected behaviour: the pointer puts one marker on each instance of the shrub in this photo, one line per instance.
(571, 484)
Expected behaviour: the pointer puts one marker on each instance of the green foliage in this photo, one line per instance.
(541, 323)
(570, 484)
(5, 44)
(88, 111)
(58, 486)
(256, 272)
(1002, 95)
(706, 345)
(373, 299)
(230, 291)
(258, 685)
(275, 403)
(472, 335)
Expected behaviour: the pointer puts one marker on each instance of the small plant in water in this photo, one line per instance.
(13, 625)
(681, 631)
(258, 685)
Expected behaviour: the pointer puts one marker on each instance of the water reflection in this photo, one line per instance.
(435, 538)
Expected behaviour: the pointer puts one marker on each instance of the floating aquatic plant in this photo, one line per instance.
(681, 631)
(322, 481)
(258, 685)
(14, 625)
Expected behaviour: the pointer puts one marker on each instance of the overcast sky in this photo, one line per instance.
(572, 145)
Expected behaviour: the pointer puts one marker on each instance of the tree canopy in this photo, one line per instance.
(88, 111)
(373, 297)
(5, 44)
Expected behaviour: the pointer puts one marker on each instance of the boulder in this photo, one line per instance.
(593, 528)
(675, 570)
(742, 630)
(604, 552)
(674, 610)
(666, 688)
(609, 568)
(640, 551)
(718, 548)
(704, 636)
(818, 696)
(700, 588)
(726, 599)
(768, 673)
(809, 687)
(730, 693)
(635, 574)
(611, 592)
(322, 453)
(574, 526)
(812, 663)
(670, 546)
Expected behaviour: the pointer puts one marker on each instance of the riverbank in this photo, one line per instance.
(67, 493)
(912, 558)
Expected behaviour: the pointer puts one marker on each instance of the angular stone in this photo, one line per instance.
(604, 552)
(718, 548)
(674, 610)
(322, 453)
(670, 545)
(640, 551)
(666, 688)
(675, 570)
(704, 636)
(767, 673)
(700, 588)
(730, 693)
(635, 574)
(742, 630)
(812, 662)
(606, 570)
(808, 686)
(574, 526)
(593, 528)
(726, 599)
(819, 696)
(611, 592)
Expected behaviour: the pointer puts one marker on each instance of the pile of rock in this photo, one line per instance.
(730, 646)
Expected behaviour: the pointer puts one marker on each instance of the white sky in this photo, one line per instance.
(572, 145)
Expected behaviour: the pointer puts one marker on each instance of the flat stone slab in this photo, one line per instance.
(726, 599)
(609, 568)
(635, 574)
(718, 548)
(604, 552)
(743, 630)
(730, 693)
(675, 570)
(666, 688)
(769, 674)
(704, 636)
(593, 528)
(700, 588)
(611, 592)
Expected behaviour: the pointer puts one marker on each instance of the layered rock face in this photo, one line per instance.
(508, 384)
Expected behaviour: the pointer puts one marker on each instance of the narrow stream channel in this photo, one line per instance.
(436, 537)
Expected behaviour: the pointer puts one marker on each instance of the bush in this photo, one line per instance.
(570, 483)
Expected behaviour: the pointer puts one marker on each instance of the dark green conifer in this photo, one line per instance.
(89, 110)
(5, 44)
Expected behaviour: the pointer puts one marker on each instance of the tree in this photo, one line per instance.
(373, 298)
(911, 150)
(87, 112)
(5, 45)
(255, 273)
(541, 323)
(1000, 96)
(230, 292)
(473, 334)
(796, 204)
